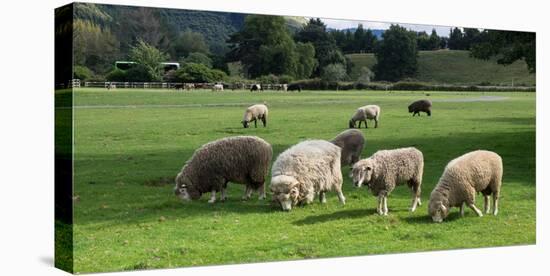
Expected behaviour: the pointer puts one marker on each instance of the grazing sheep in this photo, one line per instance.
(294, 87)
(111, 86)
(386, 169)
(351, 142)
(217, 87)
(421, 106)
(253, 113)
(239, 159)
(256, 87)
(371, 112)
(476, 171)
(190, 86)
(305, 169)
(178, 86)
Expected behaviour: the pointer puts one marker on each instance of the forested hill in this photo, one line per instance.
(155, 24)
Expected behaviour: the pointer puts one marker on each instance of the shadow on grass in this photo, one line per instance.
(346, 214)
(427, 219)
(513, 120)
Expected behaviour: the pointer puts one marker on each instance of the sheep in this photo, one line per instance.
(351, 142)
(239, 159)
(217, 87)
(305, 169)
(476, 171)
(191, 86)
(421, 106)
(294, 87)
(371, 112)
(178, 86)
(386, 169)
(284, 87)
(256, 87)
(253, 113)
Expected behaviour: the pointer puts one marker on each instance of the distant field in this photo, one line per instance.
(130, 144)
(456, 67)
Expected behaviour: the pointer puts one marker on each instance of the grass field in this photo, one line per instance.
(457, 67)
(130, 144)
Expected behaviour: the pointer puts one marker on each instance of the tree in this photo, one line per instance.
(365, 75)
(396, 54)
(507, 46)
(150, 57)
(264, 46)
(326, 50)
(435, 40)
(333, 73)
(190, 42)
(306, 60)
(456, 41)
(82, 73)
(94, 47)
(198, 58)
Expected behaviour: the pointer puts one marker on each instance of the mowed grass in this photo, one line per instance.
(457, 67)
(127, 216)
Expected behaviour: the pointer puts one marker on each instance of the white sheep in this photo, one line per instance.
(253, 113)
(217, 87)
(304, 170)
(473, 172)
(386, 169)
(370, 112)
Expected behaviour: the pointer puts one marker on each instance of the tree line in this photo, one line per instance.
(267, 48)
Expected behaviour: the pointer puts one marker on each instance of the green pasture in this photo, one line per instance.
(130, 144)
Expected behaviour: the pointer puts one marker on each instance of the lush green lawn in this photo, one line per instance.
(457, 67)
(127, 216)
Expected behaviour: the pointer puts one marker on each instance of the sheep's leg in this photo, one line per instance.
(341, 196)
(247, 193)
(322, 197)
(212, 197)
(462, 209)
(255, 123)
(264, 121)
(366, 126)
(360, 124)
(376, 123)
(261, 192)
(385, 199)
(473, 207)
(416, 196)
(495, 204)
(379, 206)
(486, 205)
(223, 195)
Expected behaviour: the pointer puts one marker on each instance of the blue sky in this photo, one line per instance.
(344, 24)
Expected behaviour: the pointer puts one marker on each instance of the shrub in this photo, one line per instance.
(139, 73)
(116, 75)
(193, 72)
(198, 58)
(82, 73)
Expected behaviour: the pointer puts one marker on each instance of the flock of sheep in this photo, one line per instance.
(313, 167)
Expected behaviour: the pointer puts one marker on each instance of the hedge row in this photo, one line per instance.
(318, 84)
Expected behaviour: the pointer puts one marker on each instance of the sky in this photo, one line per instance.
(345, 24)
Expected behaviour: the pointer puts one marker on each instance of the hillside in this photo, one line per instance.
(457, 67)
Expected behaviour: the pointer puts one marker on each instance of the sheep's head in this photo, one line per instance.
(184, 188)
(437, 210)
(410, 108)
(245, 123)
(351, 124)
(362, 171)
(286, 191)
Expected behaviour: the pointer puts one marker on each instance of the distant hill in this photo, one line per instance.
(457, 67)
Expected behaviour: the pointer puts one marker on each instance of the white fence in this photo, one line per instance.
(176, 85)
